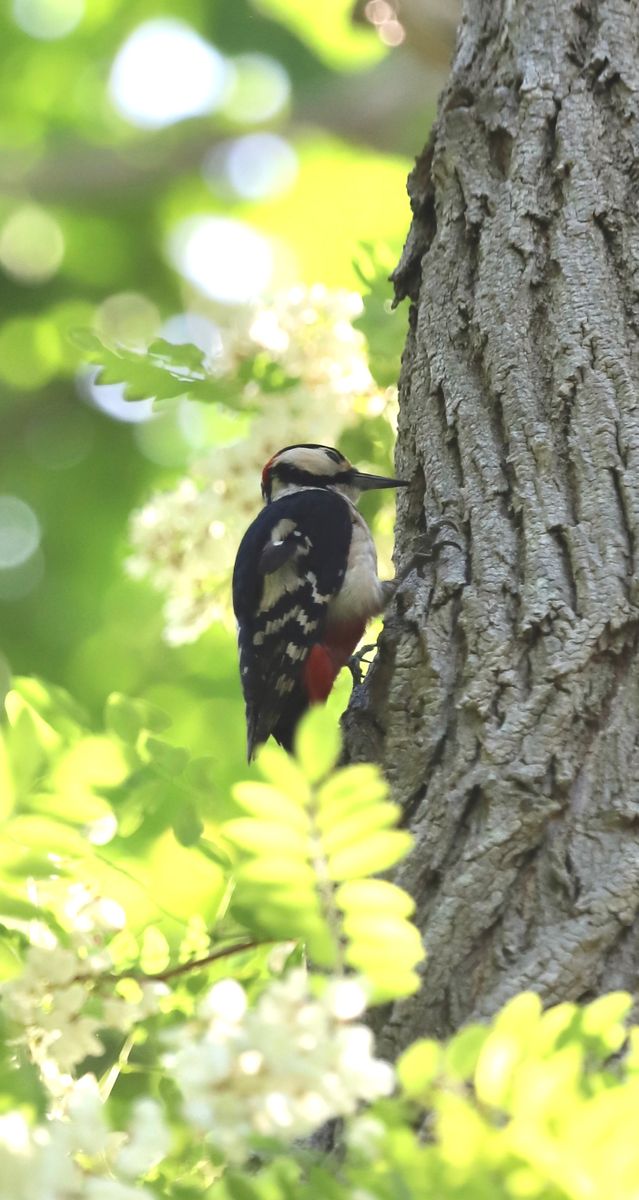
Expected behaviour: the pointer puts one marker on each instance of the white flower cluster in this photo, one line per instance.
(59, 982)
(77, 1157)
(310, 333)
(280, 1069)
(184, 540)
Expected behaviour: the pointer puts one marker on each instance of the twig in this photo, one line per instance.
(194, 963)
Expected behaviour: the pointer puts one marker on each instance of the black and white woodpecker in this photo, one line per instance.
(305, 584)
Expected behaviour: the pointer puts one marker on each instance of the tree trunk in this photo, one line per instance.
(504, 702)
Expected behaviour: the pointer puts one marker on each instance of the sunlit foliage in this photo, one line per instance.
(181, 1048)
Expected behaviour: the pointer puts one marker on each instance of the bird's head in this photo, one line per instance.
(312, 466)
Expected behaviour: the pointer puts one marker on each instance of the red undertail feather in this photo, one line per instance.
(327, 658)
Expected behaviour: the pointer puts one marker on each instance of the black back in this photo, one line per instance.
(271, 667)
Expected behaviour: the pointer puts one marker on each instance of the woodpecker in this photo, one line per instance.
(305, 584)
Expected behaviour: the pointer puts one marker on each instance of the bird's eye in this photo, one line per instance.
(335, 455)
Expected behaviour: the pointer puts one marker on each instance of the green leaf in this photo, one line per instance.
(182, 355)
(374, 896)
(555, 1023)
(166, 371)
(215, 853)
(35, 832)
(163, 371)
(187, 825)
(169, 759)
(355, 828)
(418, 1068)
(383, 326)
(155, 955)
(401, 937)
(14, 905)
(520, 1015)
(8, 791)
(373, 963)
(603, 1014)
(462, 1052)
(377, 853)
(269, 804)
(201, 773)
(273, 869)
(268, 375)
(266, 837)
(350, 789)
(283, 772)
(239, 1187)
(317, 743)
(498, 1057)
(299, 851)
(127, 718)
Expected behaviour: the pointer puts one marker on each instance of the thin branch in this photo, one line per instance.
(195, 963)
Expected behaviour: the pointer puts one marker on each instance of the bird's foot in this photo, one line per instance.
(436, 537)
(355, 661)
(424, 550)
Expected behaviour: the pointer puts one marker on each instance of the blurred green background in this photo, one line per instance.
(159, 159)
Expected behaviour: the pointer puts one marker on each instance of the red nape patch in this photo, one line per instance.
(267, 470)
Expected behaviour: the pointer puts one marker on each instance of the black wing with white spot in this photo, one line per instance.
(290, 564)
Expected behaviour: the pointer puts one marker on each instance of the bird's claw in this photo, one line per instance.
(355, 661)
(432, 541)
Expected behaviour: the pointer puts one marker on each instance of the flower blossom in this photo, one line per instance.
(49, 999)
(42, 1163)
(280, 1069)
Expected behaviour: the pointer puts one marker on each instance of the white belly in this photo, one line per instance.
(361, 593)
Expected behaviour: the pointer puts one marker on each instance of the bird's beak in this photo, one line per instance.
(366, 483)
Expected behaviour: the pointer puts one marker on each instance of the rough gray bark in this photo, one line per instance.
(504, 702)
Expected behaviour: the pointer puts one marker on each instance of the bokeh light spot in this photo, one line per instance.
(228, 260)
(127, 319)
(162, 440)
(31, 245)
(48, 19)
(165, 72)
(109, 398)
(391, 33)
(67, 318)
(102, 831)
(191, 328)
(19, 532)
(256, 166)
(259, 88)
